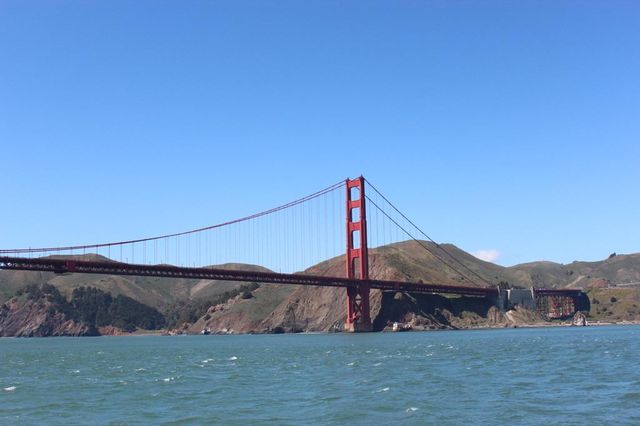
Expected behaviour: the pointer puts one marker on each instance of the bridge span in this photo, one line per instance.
(63, 266)
(356, 279)
(550, 302)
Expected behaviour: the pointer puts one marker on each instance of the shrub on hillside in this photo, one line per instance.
(94, 307)
(191, 310)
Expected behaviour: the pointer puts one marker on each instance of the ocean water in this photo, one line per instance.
(513, 376)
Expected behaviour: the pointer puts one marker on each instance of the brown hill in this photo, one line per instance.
(323, 309)
(290, 308)
(616, 270)
(306, 308)
(152, 291)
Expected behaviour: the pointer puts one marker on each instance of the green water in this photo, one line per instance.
(524, 376)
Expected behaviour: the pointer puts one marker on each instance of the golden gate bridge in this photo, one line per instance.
(340, 220)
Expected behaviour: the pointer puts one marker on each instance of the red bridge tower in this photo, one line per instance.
(358, 314)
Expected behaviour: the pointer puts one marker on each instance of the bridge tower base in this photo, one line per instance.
(358, 310)
(357, 258)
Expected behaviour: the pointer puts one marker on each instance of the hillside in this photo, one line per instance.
(152, 291)
(615, 270)
(409, 261)
(40, 310)
(323, 309)
(273, 308)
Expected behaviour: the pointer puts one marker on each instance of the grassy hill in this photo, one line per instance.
(615, 270)
(299, 307)
(321, 309)
(409, 261)
(152, 291)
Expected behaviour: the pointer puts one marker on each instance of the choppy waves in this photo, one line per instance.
(411, 378)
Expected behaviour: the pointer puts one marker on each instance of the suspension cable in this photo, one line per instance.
(425, 235)
(416, 240)
(178, 234)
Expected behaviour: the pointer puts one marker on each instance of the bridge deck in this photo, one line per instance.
(61, 266)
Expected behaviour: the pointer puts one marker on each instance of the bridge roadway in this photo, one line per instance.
(62, 266)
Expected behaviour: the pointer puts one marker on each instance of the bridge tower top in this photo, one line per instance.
(357, 250)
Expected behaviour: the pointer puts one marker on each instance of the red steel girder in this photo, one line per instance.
(61, 266)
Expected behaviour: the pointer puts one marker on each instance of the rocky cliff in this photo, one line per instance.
(314, 309)
(40, 310)
(24, 317)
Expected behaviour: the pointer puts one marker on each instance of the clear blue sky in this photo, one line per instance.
(508, 125)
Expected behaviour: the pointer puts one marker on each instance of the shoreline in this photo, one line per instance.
(531, 325)
(551, 325)
(144, 333)
(496, 327)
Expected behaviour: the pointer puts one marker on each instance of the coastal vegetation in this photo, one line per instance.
(189, 311)
(614, 304)
(94, 307)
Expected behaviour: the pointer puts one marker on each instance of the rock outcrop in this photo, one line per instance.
(579, 319)
(23, 317)
(322, 309)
